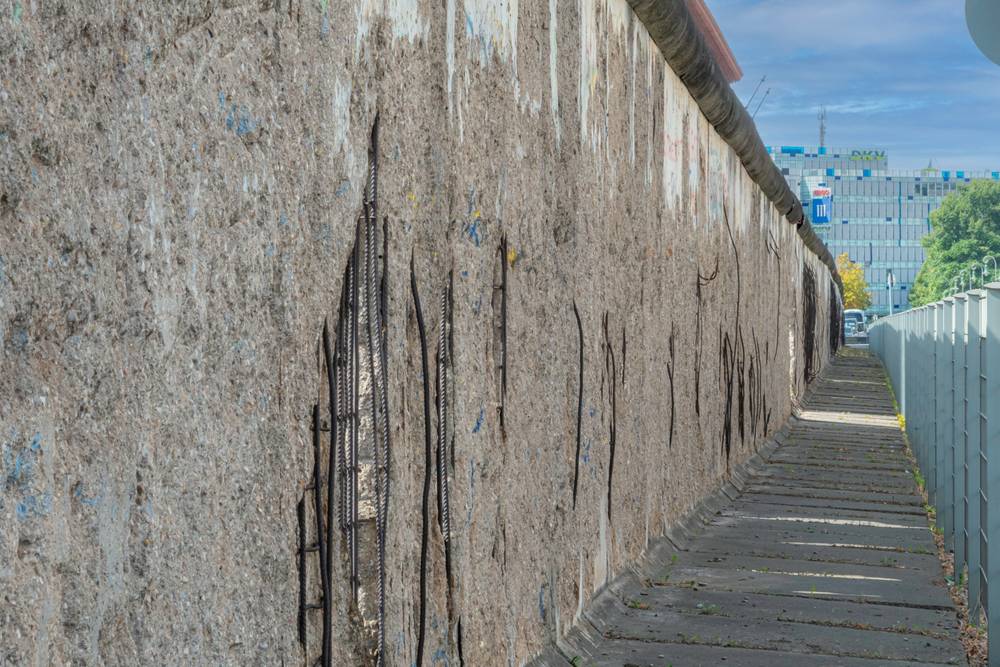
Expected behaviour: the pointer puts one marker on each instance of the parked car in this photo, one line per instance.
(855, 325)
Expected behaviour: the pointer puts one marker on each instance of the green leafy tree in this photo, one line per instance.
(856, 294)
(963, 231)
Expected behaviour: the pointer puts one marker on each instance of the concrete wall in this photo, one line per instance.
(178, 196)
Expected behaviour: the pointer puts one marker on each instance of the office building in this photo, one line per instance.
(876, 215)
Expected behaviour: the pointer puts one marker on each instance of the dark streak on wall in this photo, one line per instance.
(808, 322)
(611, 374)
(579, 403)
(425, 498)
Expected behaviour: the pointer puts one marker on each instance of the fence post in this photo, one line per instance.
(946, 457)
(940, 396)
(930, 372)
(972, 417)
(958, 435)
(989, 444)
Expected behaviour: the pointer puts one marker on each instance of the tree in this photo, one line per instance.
(963, 231)
(856, 294)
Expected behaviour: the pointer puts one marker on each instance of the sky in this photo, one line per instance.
(901, 75)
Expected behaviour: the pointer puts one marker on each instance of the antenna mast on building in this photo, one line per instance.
(760, 104)
(822, 127)
(755, 90)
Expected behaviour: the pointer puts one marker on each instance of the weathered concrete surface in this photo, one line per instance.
(178, 191)
(772, 581)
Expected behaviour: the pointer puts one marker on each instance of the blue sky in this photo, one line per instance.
(903, 75)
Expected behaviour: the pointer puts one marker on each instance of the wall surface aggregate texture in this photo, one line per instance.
(179, 185)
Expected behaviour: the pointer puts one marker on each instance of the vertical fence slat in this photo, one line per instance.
(972, 442)
(990, 520)
(958, 435)
(946, 404)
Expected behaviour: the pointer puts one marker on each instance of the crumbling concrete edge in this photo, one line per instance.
(676, 34)
(659, 554)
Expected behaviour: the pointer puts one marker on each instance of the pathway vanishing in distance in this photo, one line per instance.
(826, 558)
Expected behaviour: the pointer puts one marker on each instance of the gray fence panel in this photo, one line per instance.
(950, 353)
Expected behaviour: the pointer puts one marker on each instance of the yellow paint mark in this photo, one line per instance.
(511, 256)
(413, 199)
(477, 214)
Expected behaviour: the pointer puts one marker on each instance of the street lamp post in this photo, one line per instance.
(989, 258)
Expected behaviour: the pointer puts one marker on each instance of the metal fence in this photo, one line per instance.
(944, 364)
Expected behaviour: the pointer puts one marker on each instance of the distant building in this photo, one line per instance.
(876, 215)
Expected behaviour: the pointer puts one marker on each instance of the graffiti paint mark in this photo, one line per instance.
(479, 420)
(473, 232)
(33, 506)
(492, 26)
(240, 121)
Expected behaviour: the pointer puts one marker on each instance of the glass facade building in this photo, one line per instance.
(876, 215)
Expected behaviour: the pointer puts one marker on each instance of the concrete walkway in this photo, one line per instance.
(823, 558)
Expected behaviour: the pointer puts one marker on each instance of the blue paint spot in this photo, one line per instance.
(440, 656)
(33, 506)
(343, 188)
(541, 602)
(324, 26)
(222, 101)
(36, 442)
(240, 120)
(468, 24)
(246, 125)
(464, 274)
(585, 455)
(283, 220)
(478, 305)
(473, 232)
(270, 250)
(479, 420)
(592, 411)
(21, 472)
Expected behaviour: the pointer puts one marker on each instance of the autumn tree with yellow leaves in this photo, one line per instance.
(856, 294)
